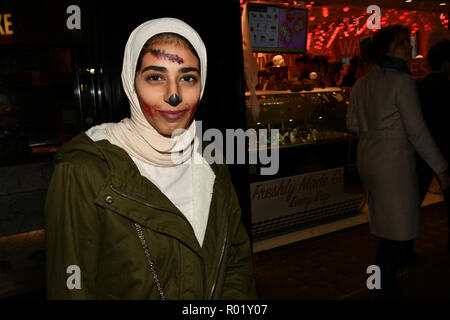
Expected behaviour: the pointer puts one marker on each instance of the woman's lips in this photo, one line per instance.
(172, 115)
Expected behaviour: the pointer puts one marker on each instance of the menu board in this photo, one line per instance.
(277, 29)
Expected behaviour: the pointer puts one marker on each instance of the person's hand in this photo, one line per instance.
(444, 179)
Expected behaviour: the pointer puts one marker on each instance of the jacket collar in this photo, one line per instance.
(393, 63)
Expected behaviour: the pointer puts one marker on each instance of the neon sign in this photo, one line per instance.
(338, 35)
(5, 24)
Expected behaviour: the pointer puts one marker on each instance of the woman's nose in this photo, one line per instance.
(174, 100)
(173, 95)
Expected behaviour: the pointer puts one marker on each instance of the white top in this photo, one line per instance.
(176, 183)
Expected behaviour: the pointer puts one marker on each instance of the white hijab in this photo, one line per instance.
(135, 134)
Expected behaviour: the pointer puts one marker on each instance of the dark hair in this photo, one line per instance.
(354, 62)
(382, 40)
(166, 37)
(365, 45)
(438, 54)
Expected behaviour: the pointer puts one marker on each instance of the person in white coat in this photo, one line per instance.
(385, 112)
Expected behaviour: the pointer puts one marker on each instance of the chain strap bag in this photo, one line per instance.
(149, 260)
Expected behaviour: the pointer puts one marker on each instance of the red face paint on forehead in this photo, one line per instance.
(162, 54)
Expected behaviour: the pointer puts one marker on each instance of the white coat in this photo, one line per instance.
(385, 112)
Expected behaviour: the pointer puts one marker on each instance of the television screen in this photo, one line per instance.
(277, 29)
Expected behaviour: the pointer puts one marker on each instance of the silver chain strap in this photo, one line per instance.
(149, 260)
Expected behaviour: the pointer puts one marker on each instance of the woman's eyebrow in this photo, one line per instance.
(189, 69)
(154, 68)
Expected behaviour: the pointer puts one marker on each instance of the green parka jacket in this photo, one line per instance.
(95, 197)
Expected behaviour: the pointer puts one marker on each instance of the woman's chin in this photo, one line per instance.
(171, 131)
(169, 128)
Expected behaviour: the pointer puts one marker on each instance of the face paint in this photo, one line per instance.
(161, 54)
(151, 111)
(174, 100)
(154, 88)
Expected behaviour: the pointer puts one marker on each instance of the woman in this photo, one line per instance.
(385, 112)
(128, 214)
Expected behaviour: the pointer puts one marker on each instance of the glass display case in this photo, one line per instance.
(312, 129)
(303, 118)
(316, 182)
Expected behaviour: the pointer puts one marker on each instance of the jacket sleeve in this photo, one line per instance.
(72, 234)
(351, 118)
(408, 105)
(239, 276)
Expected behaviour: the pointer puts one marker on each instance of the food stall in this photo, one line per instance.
(317, 182)
(315, 153)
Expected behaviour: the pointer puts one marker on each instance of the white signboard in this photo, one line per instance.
(279, 197)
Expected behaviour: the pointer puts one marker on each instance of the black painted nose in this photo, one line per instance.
(174, 100)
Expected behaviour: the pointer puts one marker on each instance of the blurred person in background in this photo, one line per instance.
(385, 112)
(434, 98)
(303, 64)
(334, 76)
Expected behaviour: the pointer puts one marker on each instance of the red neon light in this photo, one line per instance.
(347, 27)
(361, 30)
(308, 41)
(333, 36)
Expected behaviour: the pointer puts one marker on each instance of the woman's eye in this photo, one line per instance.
(189, 78)
(154, 77)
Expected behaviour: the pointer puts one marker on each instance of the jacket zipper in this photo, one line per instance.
(137, 199)
(143, 201)
(222, 252)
